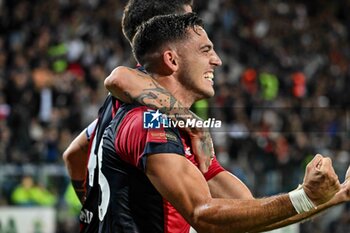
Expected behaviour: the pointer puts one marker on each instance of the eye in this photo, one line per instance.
(206, 49)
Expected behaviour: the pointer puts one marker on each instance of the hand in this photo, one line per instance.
(320, 181)
(347, 175)
(344, 193)
(202, 146)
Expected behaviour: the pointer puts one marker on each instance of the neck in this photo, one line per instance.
(171, 84)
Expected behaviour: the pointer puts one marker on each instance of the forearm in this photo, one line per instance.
(75, 158)
(300, 217)
(226, 185)
(223, 215)
(131, 85)
(189, 193)
(333, 192)
(148, 92)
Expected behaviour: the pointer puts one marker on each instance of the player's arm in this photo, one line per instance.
(75, 158)
(132, 85)
(340, 197)
(226, 185)
(189, 193)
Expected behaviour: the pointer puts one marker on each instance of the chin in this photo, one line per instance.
(208, 94)
(203, 93)
(211, 93)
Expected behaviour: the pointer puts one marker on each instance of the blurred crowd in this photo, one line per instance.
(282, 92)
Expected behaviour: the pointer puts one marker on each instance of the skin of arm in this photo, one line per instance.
(340, 197)
(131, 85)
(75, 158)
(190, 195)
(226, 185)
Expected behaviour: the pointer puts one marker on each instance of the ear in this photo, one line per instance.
(170, 59)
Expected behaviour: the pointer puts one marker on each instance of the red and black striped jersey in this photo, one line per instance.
(129, 202)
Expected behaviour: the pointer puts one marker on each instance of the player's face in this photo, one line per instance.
(198, 60)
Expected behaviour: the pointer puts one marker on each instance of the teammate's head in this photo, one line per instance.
(177, 45)
(138, 11)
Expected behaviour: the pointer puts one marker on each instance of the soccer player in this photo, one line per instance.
(149, 179)
(80, 157)
(127, 85)
(125, 80)
(222, 185)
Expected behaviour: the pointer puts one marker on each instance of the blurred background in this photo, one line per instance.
(282, 94)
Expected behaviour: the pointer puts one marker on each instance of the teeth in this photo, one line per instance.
(209, 76)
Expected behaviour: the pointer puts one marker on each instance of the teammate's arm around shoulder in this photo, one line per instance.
(125, 83)
(132, 85)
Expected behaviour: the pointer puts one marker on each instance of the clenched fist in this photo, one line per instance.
(320, 181)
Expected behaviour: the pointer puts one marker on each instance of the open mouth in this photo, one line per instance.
(209, 76)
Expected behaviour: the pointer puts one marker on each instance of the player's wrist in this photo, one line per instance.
(78, 184)
(341, 196)
(300, 201)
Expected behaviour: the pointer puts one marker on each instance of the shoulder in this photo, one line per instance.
(133, 117)
(145, 126)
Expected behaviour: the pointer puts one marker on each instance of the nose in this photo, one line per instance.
(216, 59)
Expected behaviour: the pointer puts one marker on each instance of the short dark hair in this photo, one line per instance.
(161, 30)
(138, 11)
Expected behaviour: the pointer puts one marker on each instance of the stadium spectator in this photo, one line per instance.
(27, 193)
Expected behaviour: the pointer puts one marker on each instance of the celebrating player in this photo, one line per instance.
(149, 179)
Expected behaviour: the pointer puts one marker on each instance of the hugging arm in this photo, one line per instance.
(132, 85)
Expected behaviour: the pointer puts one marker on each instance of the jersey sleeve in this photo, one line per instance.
(90, 129)
(134, 142)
